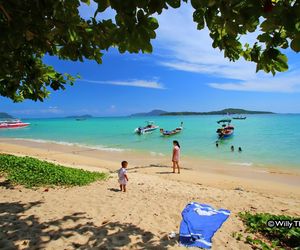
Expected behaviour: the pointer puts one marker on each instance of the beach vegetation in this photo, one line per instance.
(268, 235)
(237, 236)
(32, 172)
(32, 29)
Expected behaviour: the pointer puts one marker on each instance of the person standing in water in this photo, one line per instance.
(175, 156)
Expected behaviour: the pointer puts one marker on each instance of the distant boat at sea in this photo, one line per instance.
(80, 119)
(239, 117)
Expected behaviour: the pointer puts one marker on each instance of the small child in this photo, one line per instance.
(123, 178)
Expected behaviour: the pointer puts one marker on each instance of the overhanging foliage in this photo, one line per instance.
(29, 29)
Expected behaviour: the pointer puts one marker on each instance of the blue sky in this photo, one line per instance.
(184, 73)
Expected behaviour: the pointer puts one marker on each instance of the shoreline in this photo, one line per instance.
(209, 172)
(288, 168)
(99, 216)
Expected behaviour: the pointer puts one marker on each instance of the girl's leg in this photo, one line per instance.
(174, 166)
(121, 187)
(124, 188)
(177, 163)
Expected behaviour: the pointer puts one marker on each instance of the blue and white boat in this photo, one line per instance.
(172, 132)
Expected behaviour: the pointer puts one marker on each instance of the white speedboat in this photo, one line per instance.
(150, 127)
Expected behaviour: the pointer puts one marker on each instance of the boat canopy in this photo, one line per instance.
(8, 119)
(224, 120)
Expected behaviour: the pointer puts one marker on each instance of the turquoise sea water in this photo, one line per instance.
(265, 139)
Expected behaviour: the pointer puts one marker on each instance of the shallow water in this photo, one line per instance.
(264, 139)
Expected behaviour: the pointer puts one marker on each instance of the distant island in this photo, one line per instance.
(4, 115)
(231, 111)
(154, 112)
(79, 116)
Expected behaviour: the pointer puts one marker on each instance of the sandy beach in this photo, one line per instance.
(98, 216)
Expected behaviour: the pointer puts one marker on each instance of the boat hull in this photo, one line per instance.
(172, 132)
(141, 131)
(225, 136)
(16, 125)
(225, 133)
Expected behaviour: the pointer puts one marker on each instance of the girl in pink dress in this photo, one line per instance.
(176, 155)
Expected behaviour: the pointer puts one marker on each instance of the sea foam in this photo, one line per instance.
(96, 147)
(156, 154)
(244, 164)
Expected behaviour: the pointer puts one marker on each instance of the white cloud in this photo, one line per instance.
(131, 83)
(189, 49)
(239, 71)
(111, 109)
(287, 83)
(53, 107)
(53, 110)
(182, 47)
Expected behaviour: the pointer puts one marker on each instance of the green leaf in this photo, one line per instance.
(295, 44)
(102, 5)
(153, 23)
(51, 74)
(86, 1)
(198, 17)
(197, 3)
(297, 26)
(174, 3)
(264, 38)
(268, 25)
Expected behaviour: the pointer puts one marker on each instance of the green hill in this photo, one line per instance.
(154, 112)
(220, 112)
(5, 116)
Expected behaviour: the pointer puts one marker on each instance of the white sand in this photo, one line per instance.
(100, 217)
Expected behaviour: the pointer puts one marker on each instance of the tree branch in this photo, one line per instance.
(5, 13)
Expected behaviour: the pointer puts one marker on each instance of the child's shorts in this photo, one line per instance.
(122, 182)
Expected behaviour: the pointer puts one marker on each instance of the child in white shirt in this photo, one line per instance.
(123, 178)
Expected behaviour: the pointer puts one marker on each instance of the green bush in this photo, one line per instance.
(278, 237)
(32, 172)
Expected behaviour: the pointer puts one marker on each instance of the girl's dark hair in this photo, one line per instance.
(123, 163)
(177, 143)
